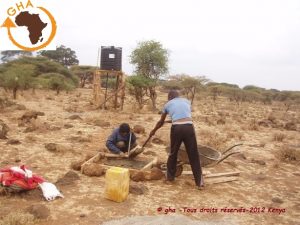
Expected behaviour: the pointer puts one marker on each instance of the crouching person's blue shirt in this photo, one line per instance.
(178, 108)
(115, 137)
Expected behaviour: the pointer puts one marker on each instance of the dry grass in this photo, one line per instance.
(253, 125)
(18, 218)
(279, 137)
(212, 139)
(288, 154)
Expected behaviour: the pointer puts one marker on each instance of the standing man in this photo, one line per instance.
(182, 130)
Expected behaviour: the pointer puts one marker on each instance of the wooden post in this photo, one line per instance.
(116, 88)
(106, 90)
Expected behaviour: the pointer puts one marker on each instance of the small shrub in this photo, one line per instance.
(18, 218)
(279, 137)
(253, 125)
(287, 153)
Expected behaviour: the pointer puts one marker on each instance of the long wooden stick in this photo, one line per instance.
(91, 159)
(211, 175)
(221, 180)
(150, 164)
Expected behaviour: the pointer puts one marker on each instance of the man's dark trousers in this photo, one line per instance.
(184, 133)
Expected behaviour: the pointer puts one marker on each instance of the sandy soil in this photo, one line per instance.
(266, 183)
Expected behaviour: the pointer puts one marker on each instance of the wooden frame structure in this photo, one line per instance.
(100, 96)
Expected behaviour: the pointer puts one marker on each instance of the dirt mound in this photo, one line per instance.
(93, 169)
(101, 123)
(137, 189)
(75, 117)
(77, 164)
(290, 126)
(139, 129)
(13, 142)
(39, 211)
(31, 115)
(68, 179)
(155, 174)
(137, 176)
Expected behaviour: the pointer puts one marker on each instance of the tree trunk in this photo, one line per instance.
(57, 91)
(15, 92)
(153, 97)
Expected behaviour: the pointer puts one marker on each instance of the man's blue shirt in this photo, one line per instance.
(178, 108)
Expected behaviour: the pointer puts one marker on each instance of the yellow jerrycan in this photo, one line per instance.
(117, 184)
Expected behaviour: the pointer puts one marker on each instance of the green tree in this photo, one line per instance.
(62, 54)
(25, 72)
(139, 87)
(7, 56)
(189, 85)
(18, 78)
(150, 60)
(56, 82)
(85, 73)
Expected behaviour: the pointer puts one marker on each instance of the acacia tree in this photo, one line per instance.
(9, 55)
(85, 73)
(18, 78)
(188, 84)
(62, 54)
(150, 60)
(139, 87)
(35, 72)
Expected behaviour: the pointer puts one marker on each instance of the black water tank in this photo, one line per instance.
(111, 58)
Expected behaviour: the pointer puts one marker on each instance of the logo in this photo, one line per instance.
(30, 27)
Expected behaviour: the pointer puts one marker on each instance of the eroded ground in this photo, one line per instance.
(266, 180)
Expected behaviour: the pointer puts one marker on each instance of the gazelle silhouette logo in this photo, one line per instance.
(29, 26)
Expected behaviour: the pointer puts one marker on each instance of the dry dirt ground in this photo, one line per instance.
(268, 184)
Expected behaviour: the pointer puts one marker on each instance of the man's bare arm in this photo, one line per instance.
(159, 124)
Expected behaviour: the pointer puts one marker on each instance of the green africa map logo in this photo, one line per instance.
(29, 27)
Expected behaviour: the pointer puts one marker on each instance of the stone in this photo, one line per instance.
(137, 189)
(221, 121)
(277, 200)
(158, 141)
(30, 129)
(52, 147)
(265, 123)
(17, 160)
(13, 142)
(101, 123)
(20, 107)
(290, 126)
(259, 162)
(67, 126)
(39, 211)
(75, 117)
(138, 129)
(31, 115)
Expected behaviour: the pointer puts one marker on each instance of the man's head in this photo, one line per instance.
(124, 129)
(173, 94)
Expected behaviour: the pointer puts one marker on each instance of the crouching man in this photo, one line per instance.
(118, 141)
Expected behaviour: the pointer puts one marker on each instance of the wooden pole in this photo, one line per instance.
(106, 89)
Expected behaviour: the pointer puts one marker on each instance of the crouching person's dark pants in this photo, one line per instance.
(184, 133)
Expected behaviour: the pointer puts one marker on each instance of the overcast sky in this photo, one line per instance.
(236, 41)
